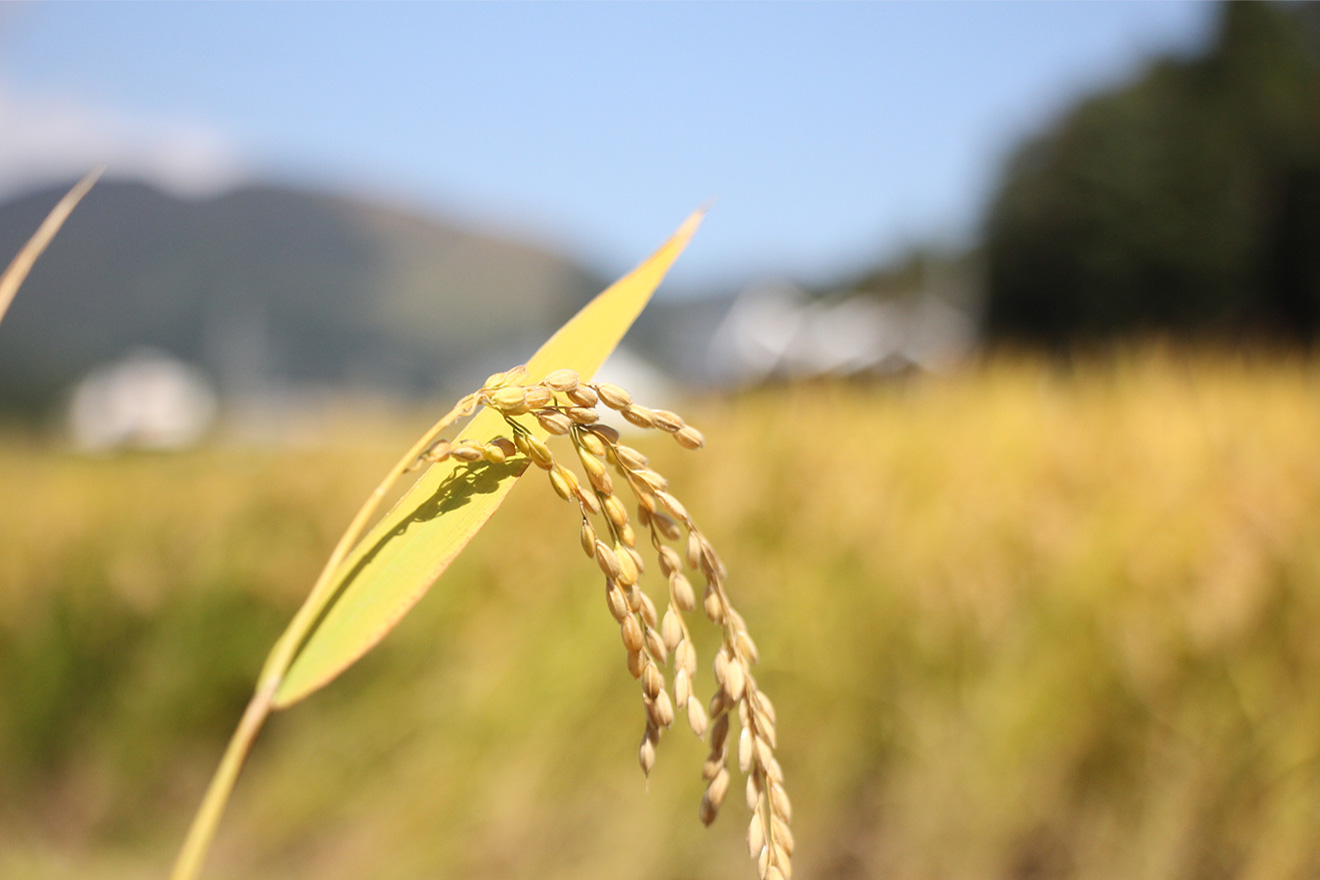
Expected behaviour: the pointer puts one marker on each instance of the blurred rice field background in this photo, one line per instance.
(1024, 621)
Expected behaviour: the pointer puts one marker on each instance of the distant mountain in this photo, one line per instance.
(266, 287)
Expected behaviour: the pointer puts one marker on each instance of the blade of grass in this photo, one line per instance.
(23, 261)
(385, 575)
(368, 585)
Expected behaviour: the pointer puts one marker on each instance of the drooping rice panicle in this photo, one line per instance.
(563, 406)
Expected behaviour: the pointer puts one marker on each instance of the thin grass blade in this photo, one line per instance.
(386, 573)
(23, 261)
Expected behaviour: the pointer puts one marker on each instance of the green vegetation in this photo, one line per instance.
(1017, 623)
(1187, 201)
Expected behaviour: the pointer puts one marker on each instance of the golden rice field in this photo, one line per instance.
(1021, 622)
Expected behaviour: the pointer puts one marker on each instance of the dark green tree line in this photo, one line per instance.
(1186, 202)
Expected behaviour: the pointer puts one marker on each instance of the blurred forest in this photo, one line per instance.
(1186, 202)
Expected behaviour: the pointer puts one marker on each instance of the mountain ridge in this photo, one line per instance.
(269, 286)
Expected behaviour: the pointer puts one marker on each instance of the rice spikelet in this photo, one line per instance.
(563, 406)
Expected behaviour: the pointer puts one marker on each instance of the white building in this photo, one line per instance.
(145, 400)
(779, 331)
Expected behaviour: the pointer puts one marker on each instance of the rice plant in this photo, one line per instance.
(374, 577)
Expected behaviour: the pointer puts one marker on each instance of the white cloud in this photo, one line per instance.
(52, 139)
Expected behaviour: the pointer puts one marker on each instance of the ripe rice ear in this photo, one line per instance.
(373, 578)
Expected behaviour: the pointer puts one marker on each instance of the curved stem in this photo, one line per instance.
(195, 845)
(189, 863)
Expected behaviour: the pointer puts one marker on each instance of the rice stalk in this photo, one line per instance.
(375, 576)
(566, 407)
(21, 265)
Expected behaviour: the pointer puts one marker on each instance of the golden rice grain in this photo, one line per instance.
(614, 510)
(508, 397)
(582, 395)
(538, 396)
(627, 567)
(631, 631)
(755, 836)
(638, 415)
(655, 645)
(696, 716)
(538, 452)
(631, 458)
(613, 396)
(646, 752)
(719, 786)
(590, 441)
(652, 480)
(608, 562)
(554, 421)
(468, 452)
(747, 647)
(627, 537)
(499, 450)
(689, 438)
(646, 608)
(617, 601)
(671, 629)
(779, 802)
(437, 451)
(693, 550)
(601, 481)
(680, 591)
(667, 527)
(589, 501)
(721, 666)
(636, 663)
(582, 415)
(591, 464)
(666, 420)
(682, 687)
(685, 657)
(562, 380)
(735, 681)
(668, 559)
(563, 481)
(652, 681)
(661, 710)
(782, 833)
(713, 606)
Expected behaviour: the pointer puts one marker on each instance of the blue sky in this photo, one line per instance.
(828, 135)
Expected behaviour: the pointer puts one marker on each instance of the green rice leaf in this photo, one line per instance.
(393, 566)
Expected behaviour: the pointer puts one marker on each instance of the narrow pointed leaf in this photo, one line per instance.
(398, 560)
(18, 270)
